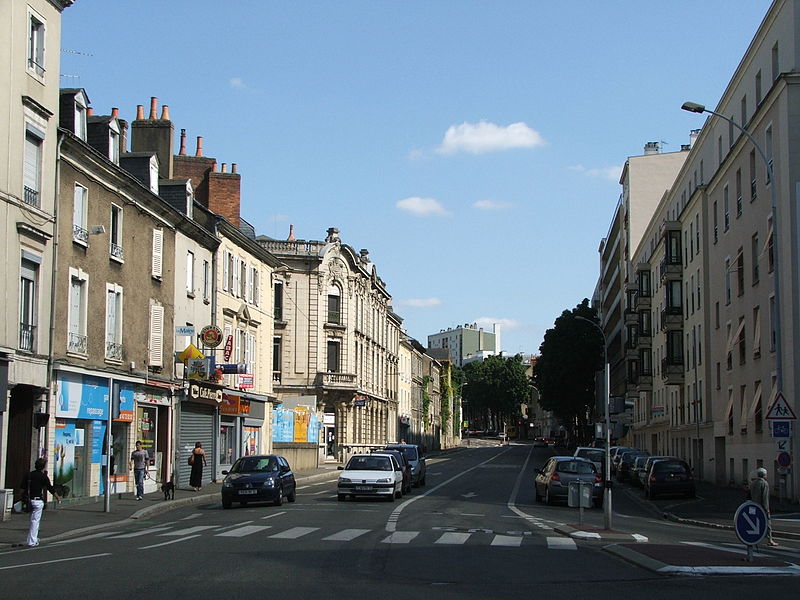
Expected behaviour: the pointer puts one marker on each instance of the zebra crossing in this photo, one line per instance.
(163, 535)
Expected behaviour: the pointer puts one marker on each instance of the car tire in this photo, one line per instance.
(227, 504)
(536, 495)
(597, 503)
(547, 499)
(341, 497)
(390, 497)
(279, 498)
(399, 493)
(422, 481)
(292, 497)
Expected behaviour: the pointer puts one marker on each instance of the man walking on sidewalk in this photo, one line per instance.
(38, 484)
(759, 492)
(139, 459)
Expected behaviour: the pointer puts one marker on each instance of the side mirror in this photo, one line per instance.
(340, 467)
(224, 472)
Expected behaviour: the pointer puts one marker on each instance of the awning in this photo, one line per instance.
(756, 400)
(756, 332)
(733, 339)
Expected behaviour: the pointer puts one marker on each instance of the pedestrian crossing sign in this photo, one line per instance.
(780, 410)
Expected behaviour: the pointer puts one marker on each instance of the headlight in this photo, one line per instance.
(227, 484)
(269, 483)
(384, 480)
(344, 480)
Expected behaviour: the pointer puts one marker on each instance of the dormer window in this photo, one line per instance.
(36, 44)
(154, 174)
(113, 142)
(80, 119)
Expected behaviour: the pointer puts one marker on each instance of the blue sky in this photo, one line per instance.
(473, 147)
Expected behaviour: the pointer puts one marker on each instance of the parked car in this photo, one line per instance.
(540, 442)
(669, 476)
(377, 475)
(552, 481)
(416, 457)
(645, 471)
(626, 462)
(400, 458)
(258, 478)
(636, 469)
(616, 455)
(596, 455)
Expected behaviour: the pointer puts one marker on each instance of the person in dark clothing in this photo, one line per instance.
(38, 484)
(198, 461)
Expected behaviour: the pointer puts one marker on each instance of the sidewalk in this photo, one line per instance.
(60, 522)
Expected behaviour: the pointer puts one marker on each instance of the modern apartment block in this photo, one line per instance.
(717, 280)
(467, 343)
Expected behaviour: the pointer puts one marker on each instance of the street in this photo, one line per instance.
(474, 531)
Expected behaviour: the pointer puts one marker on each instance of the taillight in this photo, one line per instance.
(652, 479)
(690, 477)
(555, 477)
(597, 478)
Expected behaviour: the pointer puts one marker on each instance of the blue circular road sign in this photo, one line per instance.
(750, 523)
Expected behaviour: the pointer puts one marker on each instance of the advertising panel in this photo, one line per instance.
(64, 453)
(82, 397)
(299, 425)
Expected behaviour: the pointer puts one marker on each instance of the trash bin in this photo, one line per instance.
(6, 503)
(580, 494)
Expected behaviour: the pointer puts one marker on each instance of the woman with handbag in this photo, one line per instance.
(197, 459)
(37, 488)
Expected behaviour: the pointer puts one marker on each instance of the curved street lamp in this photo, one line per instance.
(606, 392)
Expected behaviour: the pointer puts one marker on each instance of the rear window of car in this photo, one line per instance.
(669, 467)
(369, 463)
(596, 455)
(410, 452)
(578, 467)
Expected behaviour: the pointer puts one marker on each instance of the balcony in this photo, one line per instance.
(113, 351)
(672, 370)
(644, 383)
(672, 318)
(658, 414)
(27, 334)
(336, 381)
(670, 267)
(77, 343)
(276, 377)
(31, 196)
(642, 300)
(79, 234)
(117, 252)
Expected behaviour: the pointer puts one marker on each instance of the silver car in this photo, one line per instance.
(552, 481)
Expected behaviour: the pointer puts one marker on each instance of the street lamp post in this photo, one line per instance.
(606, 393)
(699, 108)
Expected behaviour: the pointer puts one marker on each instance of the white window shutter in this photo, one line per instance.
(225, 270)
(156, 358)
(158, 252)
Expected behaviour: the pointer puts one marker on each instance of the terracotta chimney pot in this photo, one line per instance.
(182, 151)
(199, 151)
(89, 111)
(165, 113)
(139, 112)
(233, 168)
(291, 234)
(115, 112)
(153, 108)
(224, 168)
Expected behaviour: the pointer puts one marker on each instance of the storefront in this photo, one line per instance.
(241, 419)
(199, 412)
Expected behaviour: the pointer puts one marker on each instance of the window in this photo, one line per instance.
(80, 118)
(675, 347)
(76, 317)
(28, 301)
(113, 145)
(719, 150)
(738, 193)
(674, 296)
(644, 284)
(277, 309)
(716, 315)
(768, 152)
(716, 223)
(741, 342)
(644, 323)
(744, 111)
(36, 44)
(206, 281)
(115, 248)
(243, 283)
(190, 273)
(80, 233)
(646, 361)
(740, 272)
(753, 178)
(32, 170)
(113, 322)
(252, 286)
(726, 209)
(756, 332)
(727, 281)
(758, 88)
(334, 305)
(235, 273)
(772, 334)
(225, 270)
(157, 259)
(673, 249)
(775, 65)
(276, 357)
(754, 251)
(770, 247)
(156, 345)
(334, 347)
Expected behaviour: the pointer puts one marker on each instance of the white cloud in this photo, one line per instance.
(491, 205)
(612, 173)
(421, 302)
(505, 324)
(422, 207)
(483, 137)
(237, 83)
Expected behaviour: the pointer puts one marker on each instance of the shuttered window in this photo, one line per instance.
(158, 252)
(156, 358)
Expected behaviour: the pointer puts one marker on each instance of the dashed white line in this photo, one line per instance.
(183, 539)
(58, 560)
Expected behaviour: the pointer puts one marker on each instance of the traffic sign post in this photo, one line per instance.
(750, 523)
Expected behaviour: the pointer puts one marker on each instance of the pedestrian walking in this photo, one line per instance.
(38, 484)
(759, 493)
(198, 460)
(139, 460)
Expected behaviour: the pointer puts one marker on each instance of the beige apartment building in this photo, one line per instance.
(30, 55)
(717, 276)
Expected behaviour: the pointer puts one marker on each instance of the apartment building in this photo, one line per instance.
(30, 54)
(467, 343)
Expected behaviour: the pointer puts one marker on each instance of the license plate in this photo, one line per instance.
(248, 491)
(363, 488)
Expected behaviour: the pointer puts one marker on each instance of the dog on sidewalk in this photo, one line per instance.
(168, 487)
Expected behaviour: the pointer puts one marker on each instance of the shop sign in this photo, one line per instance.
(228, 348)
(234, 405)
(150, 397)
(184, 330)
(233, 369)
(191, 351)
(198, 368)
(82, 397)
(246, 382)
(211, 336)
(124, 404)
(200, 391)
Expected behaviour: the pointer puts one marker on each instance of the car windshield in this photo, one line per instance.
(409, 452)
(369, 463)
(253, 464)
(592, 454)
(577, 467)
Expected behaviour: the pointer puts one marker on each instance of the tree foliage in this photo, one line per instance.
(494, 388)
(564, 374)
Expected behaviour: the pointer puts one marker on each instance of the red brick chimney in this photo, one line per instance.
(195, 168)
(224, 195)
(154, 135)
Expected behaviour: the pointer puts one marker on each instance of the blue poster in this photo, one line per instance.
(313, 429)
(82, 397)
(64, 453)
(282, 425)
(98, 437)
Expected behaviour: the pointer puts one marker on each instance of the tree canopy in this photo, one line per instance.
(564, 373)
(494, 388)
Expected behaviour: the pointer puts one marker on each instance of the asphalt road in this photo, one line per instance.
(474, 531)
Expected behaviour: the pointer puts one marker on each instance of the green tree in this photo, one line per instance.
(570, 355)
(494, 389)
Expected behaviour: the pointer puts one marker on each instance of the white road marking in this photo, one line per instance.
(471, 515)
(400, 537)
(243, 531)
(192, 516)
(294, 533)
(140, 533)
(345, 535)
(561, 543)
(640, 539)
(273, 515)
(242, 524)
(183, 539)
(58, 560)
(189, 530)
(94, 536)
(506, 540)
(453, 538)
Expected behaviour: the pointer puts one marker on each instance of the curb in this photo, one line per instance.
(606, 536)
(790, 535)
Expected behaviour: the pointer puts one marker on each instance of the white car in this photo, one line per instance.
(377, 475)
(596, 455)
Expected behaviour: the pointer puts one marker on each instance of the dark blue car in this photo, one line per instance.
(258, 478)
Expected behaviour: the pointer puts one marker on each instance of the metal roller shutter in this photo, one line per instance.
(197, 425)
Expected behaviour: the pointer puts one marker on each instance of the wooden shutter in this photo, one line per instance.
(156, 358)
(158, 252)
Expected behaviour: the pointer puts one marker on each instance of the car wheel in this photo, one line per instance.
(279, 498)
(536, 495)
(597, 503)
(547, 499)
(227, 504)
(292, 497)
(390, 497)
(341, 497)
(399, 493)
(422, 481)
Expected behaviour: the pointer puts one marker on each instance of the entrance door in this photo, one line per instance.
(228, 444)
(146, 431)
